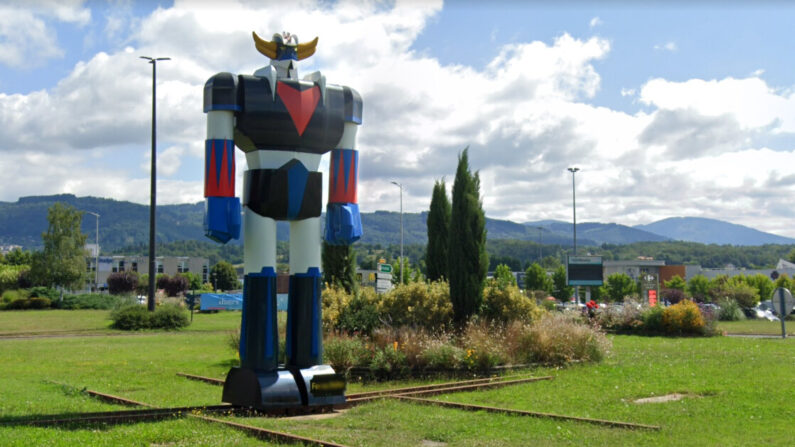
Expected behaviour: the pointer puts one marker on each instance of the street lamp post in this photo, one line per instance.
(153, 187)
(574, 226)
(96, 254)
(401, 229)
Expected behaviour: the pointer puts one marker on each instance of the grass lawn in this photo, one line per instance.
(760, 327)
(89, 322)
(739, 394)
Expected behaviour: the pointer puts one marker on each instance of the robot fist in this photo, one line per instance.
(222, 218)
(343, 223)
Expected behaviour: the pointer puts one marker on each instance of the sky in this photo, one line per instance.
(667, 108)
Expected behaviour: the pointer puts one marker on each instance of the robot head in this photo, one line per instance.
(283, 51)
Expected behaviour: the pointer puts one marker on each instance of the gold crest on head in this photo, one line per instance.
(284, 46)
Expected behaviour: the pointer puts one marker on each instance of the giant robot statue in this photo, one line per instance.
(284, 126)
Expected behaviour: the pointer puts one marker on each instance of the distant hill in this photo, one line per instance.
(123, 224)
(590, 233)
(711, 231)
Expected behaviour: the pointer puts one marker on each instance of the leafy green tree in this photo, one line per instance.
(699, 287)
(438, 233)
(783, 281)
(745, 295)
(619, 286)
(764, 285)
(550, 262)
(468, 260)
(791, 255)
(676, 282)
(194, 280)
(223, 276)
(536, 278)
(339, 266)
(504, 276)
(17, 257)
(62, 262)
(560, 289)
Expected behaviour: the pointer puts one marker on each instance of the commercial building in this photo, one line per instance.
(169, 265)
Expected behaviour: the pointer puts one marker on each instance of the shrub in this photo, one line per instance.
(745, 295)
(389, 360)
(176, 285)
(17, 304)
(557, 339)
(442, 355)
(625, 317)
(683, 318)
(411, 341)
(653, 320)
(418, 304)
(673, 296)
(729, 310)
(44, 292)
(361, 314)
(38, 303)
(483, 344)
(122, 282)
(333, 300)
(131, 318)
(504, 303)
(13, 295)
(136, 317)
(169, 317)
(344, 353)
(89, 301)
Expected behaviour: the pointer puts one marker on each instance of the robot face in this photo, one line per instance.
(285, 47)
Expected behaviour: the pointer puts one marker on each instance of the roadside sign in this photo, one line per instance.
(382, 261)
(584, 271)
(384, 268)
(782, 304)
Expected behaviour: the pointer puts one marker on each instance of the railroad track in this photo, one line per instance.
(147, 412)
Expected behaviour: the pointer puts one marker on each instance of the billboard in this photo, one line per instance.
(584, 271)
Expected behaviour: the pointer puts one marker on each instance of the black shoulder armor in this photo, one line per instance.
(220, 93)
(353, 105)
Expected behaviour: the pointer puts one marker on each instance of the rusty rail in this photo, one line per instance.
(468, 407)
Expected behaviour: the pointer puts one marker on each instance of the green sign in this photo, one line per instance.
(384, 268)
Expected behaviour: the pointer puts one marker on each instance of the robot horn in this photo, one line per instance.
(266, 47)
(305, 50)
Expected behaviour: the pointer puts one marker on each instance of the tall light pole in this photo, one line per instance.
(574, 207)
(574, 226)
(401, 229)
(150, 303)
(96, 254)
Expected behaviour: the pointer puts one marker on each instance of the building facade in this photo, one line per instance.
(169, 265)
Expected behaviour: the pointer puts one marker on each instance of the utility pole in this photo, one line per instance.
(150, 303)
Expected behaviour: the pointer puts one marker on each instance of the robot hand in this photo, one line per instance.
(343, 223)
(222, 218)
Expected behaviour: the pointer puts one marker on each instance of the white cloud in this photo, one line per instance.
(751, 101)
(596, 21)
(27, 40)
(526, 116)
(668, 46)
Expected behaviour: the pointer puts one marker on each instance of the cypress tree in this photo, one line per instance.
(438, 233)
(467, 258)
(339, 266)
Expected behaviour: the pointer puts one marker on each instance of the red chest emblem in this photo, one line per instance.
(300, 105)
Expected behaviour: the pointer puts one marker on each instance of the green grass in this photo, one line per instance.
(92, 322)
(759, 327)
(740, 388)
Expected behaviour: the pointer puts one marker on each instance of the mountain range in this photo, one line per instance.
(123, 224)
